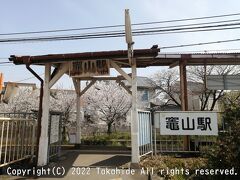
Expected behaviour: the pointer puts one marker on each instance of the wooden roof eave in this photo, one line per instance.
(120, 55)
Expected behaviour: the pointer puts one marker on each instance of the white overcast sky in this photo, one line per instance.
(28, 15)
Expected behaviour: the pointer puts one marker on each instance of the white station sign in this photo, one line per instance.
(187, 123)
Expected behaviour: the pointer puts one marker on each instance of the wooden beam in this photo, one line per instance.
(183, 85)
(121, 62)
(184, 96)
(77, 89)
(44, 137)
(102, 78)
(55, 70)
(119, 69)
(87, 87)
(61, 71)
(74, 84)
(124, 86)
(174, 64)
(78, 117)
(77, 86)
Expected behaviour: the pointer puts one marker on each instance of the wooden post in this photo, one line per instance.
(43, 142)
(184, 96)
(134, 121)
(78, 118)
(1, 82)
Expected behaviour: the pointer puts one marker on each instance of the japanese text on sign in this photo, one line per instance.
(188, 123)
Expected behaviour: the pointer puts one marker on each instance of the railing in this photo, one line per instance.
(175, 143)
(20, 115)
(145, 133)
(168, 143)
(17, 139)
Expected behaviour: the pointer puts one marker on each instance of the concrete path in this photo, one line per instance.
(74, 165)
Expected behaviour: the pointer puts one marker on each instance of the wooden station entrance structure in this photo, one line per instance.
(72, 64)
(90, 66)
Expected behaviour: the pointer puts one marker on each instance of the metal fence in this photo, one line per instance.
(20, 115)
(55, 135)
(164, 143)
(145, 133)
(167, 143)
(17, 128)
(17, 139)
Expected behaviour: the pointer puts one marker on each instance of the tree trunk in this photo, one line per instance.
(213, 105)
(64, 138)
(215, 98)
(109, 129)
(205, 101)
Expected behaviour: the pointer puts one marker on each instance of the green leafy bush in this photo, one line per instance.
(164, 165)
(114, 139)
(225, 153)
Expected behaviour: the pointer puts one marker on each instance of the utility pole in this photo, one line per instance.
(134, 118)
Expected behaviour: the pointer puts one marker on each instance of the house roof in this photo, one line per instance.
(33, 85)
(142, 82)
(197, 59)
(167, 107)
(194, 87)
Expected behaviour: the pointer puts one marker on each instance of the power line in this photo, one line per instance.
(59, 30)
(121, 34)
(32, 77)
(189, 19)
(6, 62)
(120, 25)
(192, 24)
(6, 65)
(161, 28)
(192, 31)
(189, 28)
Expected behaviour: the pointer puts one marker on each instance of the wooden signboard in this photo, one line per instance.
(90, 68)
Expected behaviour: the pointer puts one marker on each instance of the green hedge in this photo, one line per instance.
(114, 139)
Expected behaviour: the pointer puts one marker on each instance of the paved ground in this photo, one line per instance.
(91, 167)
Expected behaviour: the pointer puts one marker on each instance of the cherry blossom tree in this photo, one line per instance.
(25, 100)
(110, 101)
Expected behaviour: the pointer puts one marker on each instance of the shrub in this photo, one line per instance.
(108, 139)
(163, 165)
(225, 153)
